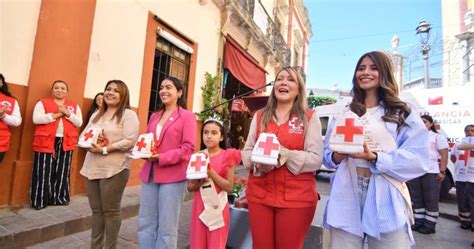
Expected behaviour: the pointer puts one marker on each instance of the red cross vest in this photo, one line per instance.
(279, 187)
(43, 140)
(9, 104)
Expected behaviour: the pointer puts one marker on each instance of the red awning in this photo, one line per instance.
(242, 65)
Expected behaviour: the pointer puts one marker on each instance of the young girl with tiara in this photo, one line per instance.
(210, 212)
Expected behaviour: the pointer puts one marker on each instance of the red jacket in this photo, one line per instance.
(279, 187)
(9, 104)
(43, 140)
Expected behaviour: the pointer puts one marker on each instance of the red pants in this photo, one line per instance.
(279, 228)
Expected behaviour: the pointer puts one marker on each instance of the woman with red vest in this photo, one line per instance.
(9, 116)
(282, 199)
(57, 120)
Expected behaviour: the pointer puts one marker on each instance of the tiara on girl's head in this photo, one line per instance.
(214, 118)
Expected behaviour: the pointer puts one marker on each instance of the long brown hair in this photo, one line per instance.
(299, 105)
(4, 87)
(124, 102)
(396, 110)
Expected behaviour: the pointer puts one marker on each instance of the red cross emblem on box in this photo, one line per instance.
(88, 135)
(141, 144)
(349, 130)
(268, 145)
(198, 163)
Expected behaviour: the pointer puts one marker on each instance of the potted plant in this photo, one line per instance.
(240, 183)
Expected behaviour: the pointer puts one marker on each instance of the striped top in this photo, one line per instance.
(384, 209)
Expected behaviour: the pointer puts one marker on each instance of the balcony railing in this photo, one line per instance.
(272, 39)
(283, 53)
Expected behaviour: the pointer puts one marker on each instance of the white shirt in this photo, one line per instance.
(158, 131)
(384, 209)
(437, 142)
(464, 170)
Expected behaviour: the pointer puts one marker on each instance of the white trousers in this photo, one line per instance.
(394, 240)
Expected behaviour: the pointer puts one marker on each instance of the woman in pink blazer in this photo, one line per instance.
(164, 174)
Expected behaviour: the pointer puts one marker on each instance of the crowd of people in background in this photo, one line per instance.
(369, 200)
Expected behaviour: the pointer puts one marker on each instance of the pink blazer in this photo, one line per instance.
(177, 142)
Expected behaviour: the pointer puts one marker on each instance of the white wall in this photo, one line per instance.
(18, 23)
(200, 23)
(117, 47)
(118, 41)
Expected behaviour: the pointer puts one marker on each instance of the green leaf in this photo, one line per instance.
(314, 101)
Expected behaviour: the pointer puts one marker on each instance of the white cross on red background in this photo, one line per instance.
(295, 124)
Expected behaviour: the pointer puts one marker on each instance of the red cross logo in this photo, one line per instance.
(6, 106)
(268, 146)
(141, 144)
(198, 163)
(465, 157)
(70, 109)
(294, 123)
(88, 135)
(349, 130)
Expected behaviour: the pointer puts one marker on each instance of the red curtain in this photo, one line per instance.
(242, 66)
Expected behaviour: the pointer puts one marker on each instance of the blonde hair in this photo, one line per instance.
(299, 105)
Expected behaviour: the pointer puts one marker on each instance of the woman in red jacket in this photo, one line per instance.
(9, 116)
(282, 199)
(57, 120)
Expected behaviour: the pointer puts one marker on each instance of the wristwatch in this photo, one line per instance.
(104, 150)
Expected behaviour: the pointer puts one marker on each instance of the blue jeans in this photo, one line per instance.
(160, 205)
(363, 186)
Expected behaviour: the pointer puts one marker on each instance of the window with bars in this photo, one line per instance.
(169, 61)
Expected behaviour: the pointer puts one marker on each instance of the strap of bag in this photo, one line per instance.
(403, 189)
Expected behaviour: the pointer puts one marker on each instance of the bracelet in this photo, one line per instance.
(375, 159)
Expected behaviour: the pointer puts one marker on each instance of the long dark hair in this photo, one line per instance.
(396, 111)
(223, 143)
(430, 119)
(123, 104)
(4, 88)
(179, 86)
(94, 107)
